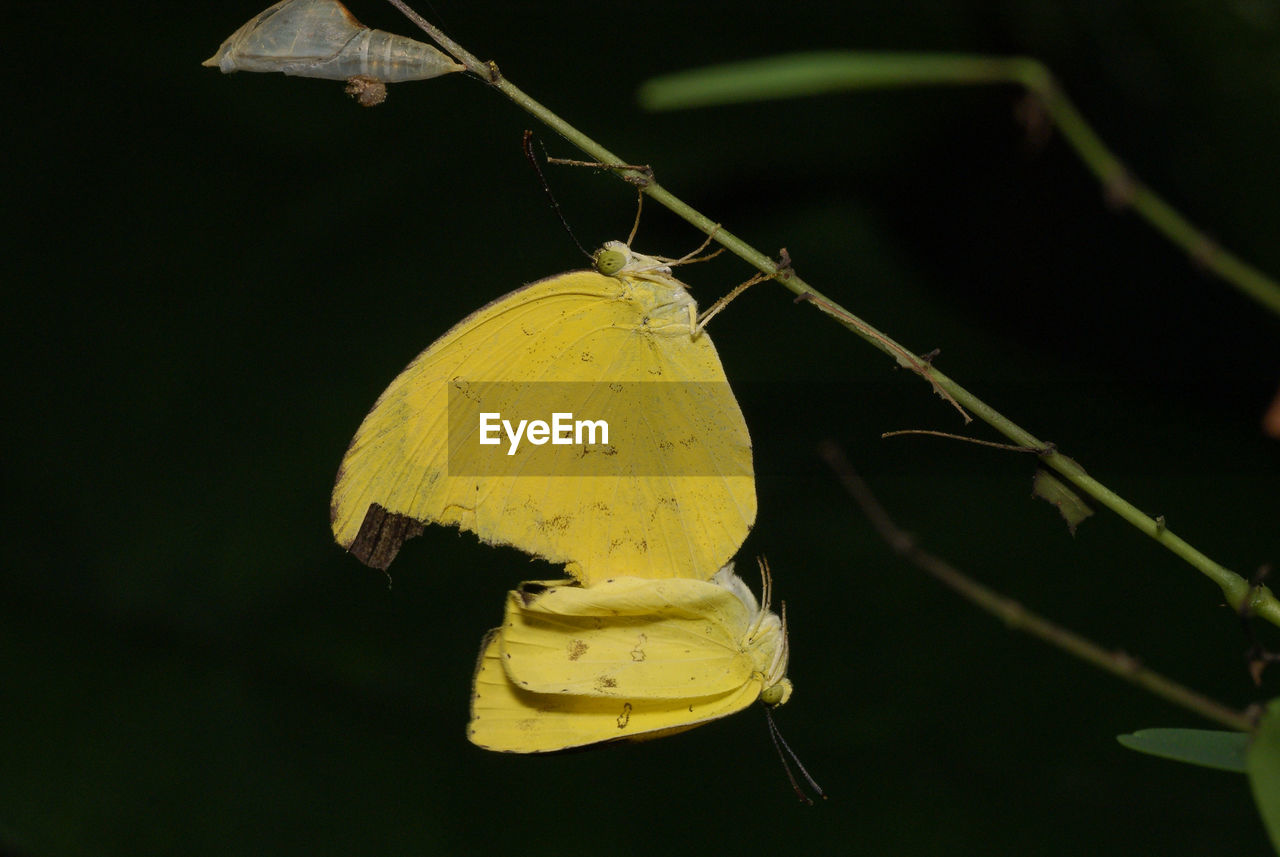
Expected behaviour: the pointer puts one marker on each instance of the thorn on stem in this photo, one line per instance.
(784, 269)
(1119, 188)
(1256, 656)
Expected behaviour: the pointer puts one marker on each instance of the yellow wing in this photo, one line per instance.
(673, 492)
(629, 637)
(625, 659)
(510, 720)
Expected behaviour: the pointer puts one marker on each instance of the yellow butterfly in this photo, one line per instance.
(627, 659)
(671, 494)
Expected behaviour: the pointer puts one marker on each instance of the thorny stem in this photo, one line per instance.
(813, 73)
(1240, 594)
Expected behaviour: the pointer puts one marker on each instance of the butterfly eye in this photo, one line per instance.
(776, 695)
(610, 262)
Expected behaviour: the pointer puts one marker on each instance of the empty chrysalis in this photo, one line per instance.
(321, 38)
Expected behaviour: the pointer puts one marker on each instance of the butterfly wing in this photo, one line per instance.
(614, 662)
(678, 498)
(628, 638)
(508, 719)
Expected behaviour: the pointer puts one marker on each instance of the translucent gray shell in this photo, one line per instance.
(320, 38)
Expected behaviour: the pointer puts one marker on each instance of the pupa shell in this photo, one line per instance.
(321, 38)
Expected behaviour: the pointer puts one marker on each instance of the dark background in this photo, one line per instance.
(211, 278)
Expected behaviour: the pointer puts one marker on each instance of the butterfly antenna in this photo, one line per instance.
(627, 172)
(527, 145)
(766, 592)
(788, 756)
(783, 654)
(766, 583)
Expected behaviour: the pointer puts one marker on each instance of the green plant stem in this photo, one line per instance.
(1019, 617)
(1122, 187)
(791, 76)
(1239, 593)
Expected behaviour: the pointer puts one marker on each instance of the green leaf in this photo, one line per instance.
(1263, 763)
(1208, 747)
(1054, 491)
(801, 74)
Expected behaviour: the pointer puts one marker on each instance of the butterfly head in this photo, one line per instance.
(766, 634)
(777, 694)
(616, 259)
(771, 641)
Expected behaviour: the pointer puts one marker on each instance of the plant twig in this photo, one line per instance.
(1122, 187)
(1019, 617)
(1238, 592)
(790, 76)
(1007, 447)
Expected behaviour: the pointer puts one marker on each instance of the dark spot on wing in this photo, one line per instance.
(464, 388)
(530, 590)
(558, 524)
(381, 535)
(665, 503)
